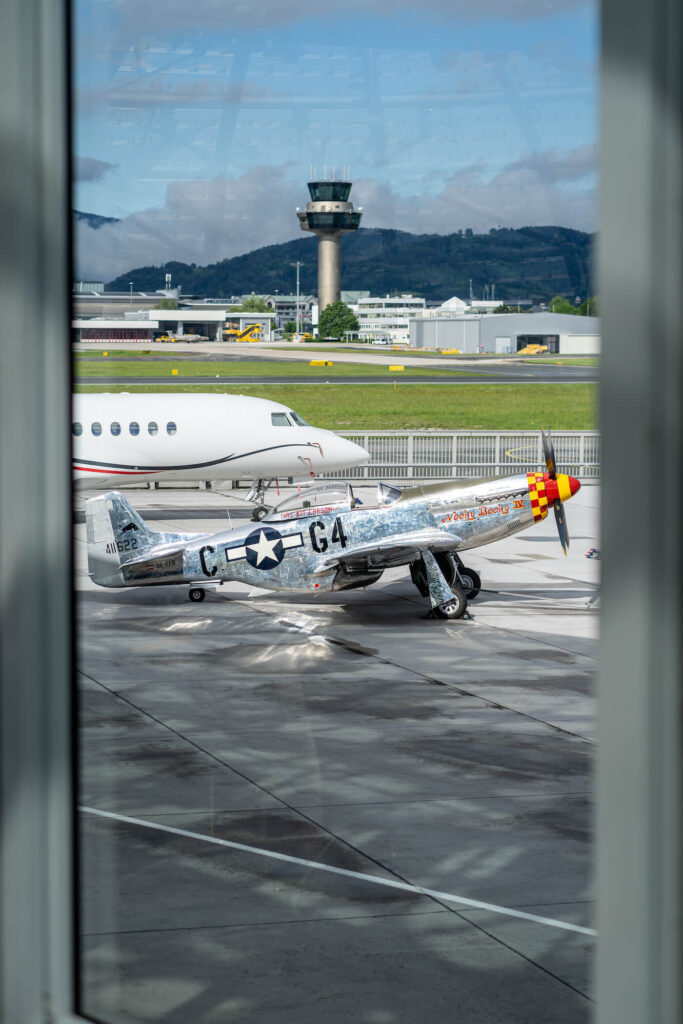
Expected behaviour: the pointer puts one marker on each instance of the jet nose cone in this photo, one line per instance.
(353, 454)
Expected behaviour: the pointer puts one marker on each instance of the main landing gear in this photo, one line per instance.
(197, 593)
(258, 494)
(447, 582)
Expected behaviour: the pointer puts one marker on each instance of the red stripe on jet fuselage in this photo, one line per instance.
(117, 472)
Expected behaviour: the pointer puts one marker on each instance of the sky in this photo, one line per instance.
(198, 123)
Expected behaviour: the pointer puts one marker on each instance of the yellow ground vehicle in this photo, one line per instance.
(250, 333)
(532, 350)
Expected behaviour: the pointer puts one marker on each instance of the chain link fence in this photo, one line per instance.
(405, 456)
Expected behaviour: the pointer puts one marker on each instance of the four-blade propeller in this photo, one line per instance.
(551, 465)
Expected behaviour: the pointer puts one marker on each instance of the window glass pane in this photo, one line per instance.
(96, 428)
(77, 429)
(115, 429)
(275, 679)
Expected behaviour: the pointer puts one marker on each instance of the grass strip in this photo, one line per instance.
(417, 407)
(246, 368)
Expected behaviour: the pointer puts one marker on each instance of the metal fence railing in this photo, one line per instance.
(404, 456)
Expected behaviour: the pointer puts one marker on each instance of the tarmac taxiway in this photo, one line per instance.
(345, 732)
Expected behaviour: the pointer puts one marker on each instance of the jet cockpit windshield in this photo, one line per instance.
(311, 501)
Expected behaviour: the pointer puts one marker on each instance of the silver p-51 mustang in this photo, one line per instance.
(321, 539)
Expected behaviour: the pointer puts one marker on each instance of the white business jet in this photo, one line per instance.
(134, 438)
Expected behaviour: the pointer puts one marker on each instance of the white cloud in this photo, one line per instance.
(87, 168)
(201, 222)
(546, 188)
(206, 221)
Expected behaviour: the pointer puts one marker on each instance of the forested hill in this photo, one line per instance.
(536, 263)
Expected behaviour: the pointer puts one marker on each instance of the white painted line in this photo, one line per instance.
(416, 890)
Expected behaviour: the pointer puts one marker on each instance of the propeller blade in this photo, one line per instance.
(549, 454)
(561, 525)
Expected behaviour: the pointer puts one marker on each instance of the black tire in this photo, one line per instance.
(197, 593)
(453, 609)
(447, 566)
(259, 513)
(470, 582)
(418, 575)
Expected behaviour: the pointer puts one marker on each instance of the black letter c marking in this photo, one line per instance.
(206, 572)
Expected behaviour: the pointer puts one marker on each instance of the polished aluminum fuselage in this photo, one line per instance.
(328, 547)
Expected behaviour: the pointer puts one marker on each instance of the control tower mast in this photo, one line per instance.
(329, 215)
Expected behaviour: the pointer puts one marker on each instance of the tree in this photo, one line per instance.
(561, 305)
(167, 304)
(335, 320)
(253, 304)
(289, 327)
(589, 307)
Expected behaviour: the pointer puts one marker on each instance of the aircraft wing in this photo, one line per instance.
(395, 550)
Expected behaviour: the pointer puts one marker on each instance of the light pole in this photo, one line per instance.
(131, 292)
(298, 266)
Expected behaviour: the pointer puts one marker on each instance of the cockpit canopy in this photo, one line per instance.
(321, 498)
(387, 494)
(316, 500)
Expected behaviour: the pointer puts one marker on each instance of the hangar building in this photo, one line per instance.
(563, 333)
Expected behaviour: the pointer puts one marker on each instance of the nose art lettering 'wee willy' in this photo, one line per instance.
(319, 540)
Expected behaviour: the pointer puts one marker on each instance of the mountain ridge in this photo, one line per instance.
(531, 262)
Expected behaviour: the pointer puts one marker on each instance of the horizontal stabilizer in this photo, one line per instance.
(157, 566)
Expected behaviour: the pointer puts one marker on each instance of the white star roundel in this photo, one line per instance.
(264, 548)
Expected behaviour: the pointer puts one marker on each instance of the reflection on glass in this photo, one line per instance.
(345, 731)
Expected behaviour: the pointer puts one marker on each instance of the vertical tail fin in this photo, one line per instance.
(116, 534)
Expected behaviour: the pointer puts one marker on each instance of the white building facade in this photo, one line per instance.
(387, 319)
(507, 333)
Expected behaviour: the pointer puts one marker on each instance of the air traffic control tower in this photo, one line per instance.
(329, 215)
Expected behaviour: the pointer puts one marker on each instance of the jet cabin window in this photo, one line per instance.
(280, 419)
(134, 428)
(152, 428)
(77, 429)
(96, 429)
(171, 428)
(115, 429)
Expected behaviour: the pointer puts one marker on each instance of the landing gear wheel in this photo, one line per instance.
(470, 582)
(259, 513)
(453, 609)
(197, 593)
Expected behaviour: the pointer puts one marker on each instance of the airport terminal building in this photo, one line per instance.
(200, 324)
(504, 333)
